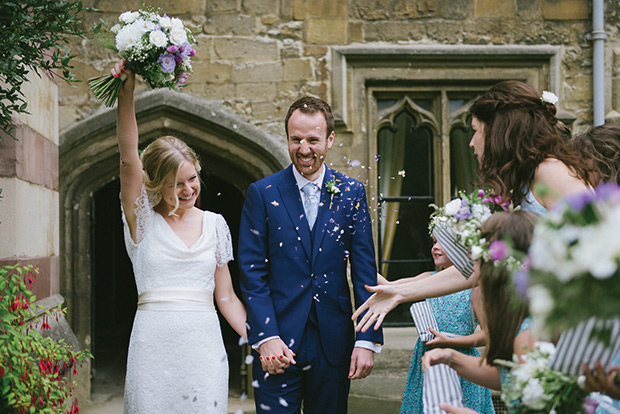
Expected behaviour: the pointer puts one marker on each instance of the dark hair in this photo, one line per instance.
(521, 131)
(311, 105)
(601, 144)
(503, 308)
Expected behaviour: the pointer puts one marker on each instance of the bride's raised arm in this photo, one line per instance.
(127, 132)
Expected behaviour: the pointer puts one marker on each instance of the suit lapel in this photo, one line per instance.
(292, 202)
(324, 214)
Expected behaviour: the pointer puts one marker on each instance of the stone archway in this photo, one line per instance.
(231, 149)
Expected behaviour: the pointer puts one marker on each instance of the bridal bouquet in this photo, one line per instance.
(158, 48)
(575, 260)
(465, 214)
(534, 388)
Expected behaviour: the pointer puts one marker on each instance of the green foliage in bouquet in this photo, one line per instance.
(35, 371)
(36, 34)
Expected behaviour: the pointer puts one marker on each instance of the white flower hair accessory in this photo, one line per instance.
(549, 97)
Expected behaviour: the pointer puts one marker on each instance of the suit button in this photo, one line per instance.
(313, 275)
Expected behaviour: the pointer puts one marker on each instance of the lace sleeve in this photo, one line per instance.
(223, 249)
(144, 212)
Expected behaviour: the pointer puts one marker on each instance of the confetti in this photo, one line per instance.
(219, 194)
(355, 163)
(255, 232)
(242, 341)
(402, 173)
(255, 384)
(281, 400)
(243, 397)
(265, 407)
(267, 320)
(275, 203)
(306, 368)
(249, 359)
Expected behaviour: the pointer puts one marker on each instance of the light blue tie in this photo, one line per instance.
(312, 203)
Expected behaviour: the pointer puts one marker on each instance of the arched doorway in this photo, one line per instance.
(96, 274)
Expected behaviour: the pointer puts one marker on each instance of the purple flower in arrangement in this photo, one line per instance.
(178, 59)
(608, 191)
(577, 201)
(590, 405)
(464, 212)
(481, 193)
(498, 250)
(521, 280)
(167, 62)
(185, 49)
(172, 49)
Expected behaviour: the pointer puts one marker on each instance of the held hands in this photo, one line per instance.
(275, 356)
(362, 362)
(436, 356)
(384, 299)
(597, 381)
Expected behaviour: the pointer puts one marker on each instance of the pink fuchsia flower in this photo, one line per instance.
(498, 250)
(481, 193)
(172, 49)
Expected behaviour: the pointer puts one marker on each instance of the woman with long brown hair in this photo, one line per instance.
(525, 156)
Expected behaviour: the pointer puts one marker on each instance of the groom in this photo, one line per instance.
(299, 229)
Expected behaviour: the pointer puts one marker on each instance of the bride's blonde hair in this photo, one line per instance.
(162, 159)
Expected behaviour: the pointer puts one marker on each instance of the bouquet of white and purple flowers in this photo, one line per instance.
(158, 48)
(575, 260)
(465, 214)
(535, 388)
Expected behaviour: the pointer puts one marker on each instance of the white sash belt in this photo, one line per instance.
(176, 299)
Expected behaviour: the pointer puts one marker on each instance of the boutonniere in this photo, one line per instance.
(332, 189)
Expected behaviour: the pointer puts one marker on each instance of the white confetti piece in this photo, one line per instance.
(243, 397)
(290, 345)
(282, 402)
(255, 232)
(275, 203)
(267, 320)
(402, 173)
(255, 384)
(249, 359)
(265, 407)
(242, 341)
(306, 368)
(356, 163)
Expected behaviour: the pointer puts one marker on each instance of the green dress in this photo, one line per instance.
(454, 314)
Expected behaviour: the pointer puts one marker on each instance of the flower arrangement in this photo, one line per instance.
(534, 388)
(35, 371)
(156, 47)
(332, 189)
(575, 260)
(465, 215)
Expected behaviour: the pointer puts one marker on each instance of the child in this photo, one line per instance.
(506, 316)
(454, 314)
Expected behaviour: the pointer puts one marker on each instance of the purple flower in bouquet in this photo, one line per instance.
(521, 279)
(464, 212)
(167, 61)
(609, 192)
(172, 49)
(590, 405)
(498, 250)
(577, 201)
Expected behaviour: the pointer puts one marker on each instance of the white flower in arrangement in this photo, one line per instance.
(534, 394)
(176, 23)
(115, 28)
(453, 207)
(541, 301)
(158, 38)
(145, 25)
(476, 252)
(128, 37)
(549, 97)
(165, 22)
(178, 36)
(128, 17)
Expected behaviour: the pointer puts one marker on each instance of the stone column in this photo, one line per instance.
(29, 207)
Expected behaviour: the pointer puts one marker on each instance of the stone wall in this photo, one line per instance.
(256, 56)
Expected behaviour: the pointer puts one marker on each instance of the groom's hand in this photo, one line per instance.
(362, 362)
(275, 356)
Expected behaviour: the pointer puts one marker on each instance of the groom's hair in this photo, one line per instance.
(311, 105)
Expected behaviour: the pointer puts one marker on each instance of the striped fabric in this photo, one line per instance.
(457, 253)
(424, 318)
(576, 347)
(441, 385)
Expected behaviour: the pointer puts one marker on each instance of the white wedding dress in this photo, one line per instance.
(177, 362)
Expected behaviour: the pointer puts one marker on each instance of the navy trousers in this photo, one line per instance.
(313, 383)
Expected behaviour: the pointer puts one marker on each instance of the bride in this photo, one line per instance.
(176, 362)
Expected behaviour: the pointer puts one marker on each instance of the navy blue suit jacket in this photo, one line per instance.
(283, 270)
